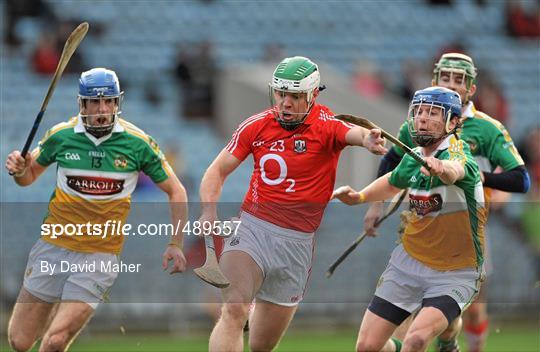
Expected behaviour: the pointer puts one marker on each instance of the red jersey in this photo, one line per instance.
(294, 171)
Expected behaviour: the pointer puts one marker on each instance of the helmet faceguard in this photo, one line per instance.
(456, 67)
(430, 113)
(296, 79)
(96, 86)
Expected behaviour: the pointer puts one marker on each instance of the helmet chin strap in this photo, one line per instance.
(99, 130)
(292, 125)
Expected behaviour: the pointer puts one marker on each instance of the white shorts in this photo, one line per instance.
(55, 274)
(406, 282)
(283, 255)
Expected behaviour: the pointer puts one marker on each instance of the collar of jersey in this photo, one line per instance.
(79, 128)
(469, 110)
(444, 145)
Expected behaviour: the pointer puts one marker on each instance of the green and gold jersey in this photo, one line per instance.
(95, 179)
(445, 230)
(489, 141)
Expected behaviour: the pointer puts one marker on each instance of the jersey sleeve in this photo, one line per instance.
(405, 137)
(242, 139)
(47, 150)
(337, 129)
(340, 131)
(502, 151)
(401, 174)
(153, 162)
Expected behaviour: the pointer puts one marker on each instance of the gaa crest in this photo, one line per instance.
(300, 146)
(120, 162)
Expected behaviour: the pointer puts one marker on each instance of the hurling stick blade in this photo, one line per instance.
(72, 43)
(210, 271)
(212, 276)
(70, 46)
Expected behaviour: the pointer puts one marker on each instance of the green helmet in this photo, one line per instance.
(458, 63)
(296, 74)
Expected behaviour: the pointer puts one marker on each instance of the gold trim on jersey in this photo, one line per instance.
(137, 132)
(504, 131)
(72, 122)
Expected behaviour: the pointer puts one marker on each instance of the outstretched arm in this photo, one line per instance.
(369, 139)
(380, 189)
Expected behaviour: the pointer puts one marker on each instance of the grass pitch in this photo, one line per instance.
(502, 339)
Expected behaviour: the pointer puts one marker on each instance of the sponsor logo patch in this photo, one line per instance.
(424, 205)
(97, 186)
(96, 153)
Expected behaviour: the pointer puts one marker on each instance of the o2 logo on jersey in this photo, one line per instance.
(282, 172)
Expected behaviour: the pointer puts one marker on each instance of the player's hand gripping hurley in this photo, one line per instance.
(394, 205)
(70, 46)
(363, 122)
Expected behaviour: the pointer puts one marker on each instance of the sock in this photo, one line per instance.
(476, 335)
(447, 345)
(397, 343)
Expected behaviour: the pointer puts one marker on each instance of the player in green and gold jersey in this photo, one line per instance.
(98, 158)
(438, 266)
(494, 151)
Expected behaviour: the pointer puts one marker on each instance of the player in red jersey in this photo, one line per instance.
(295, 146)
